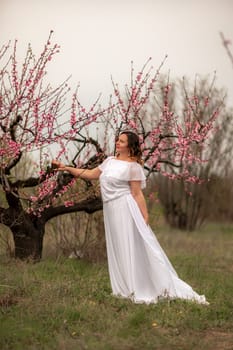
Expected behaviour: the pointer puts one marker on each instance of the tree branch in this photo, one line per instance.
(89, 206)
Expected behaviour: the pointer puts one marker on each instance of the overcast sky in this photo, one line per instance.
(99, 38)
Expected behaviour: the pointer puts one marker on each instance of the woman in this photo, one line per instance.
(138, 267)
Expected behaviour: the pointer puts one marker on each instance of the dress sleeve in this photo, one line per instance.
(103, 165)
(136, 174)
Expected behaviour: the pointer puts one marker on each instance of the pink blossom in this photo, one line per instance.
(139, 76)
(68, 203)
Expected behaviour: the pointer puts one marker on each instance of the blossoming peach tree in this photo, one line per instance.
(38, 121)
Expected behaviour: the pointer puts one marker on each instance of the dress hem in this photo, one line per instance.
(202, 300)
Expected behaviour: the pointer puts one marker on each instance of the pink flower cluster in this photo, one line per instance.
(9, 150)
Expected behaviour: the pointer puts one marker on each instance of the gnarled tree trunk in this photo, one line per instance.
(28, 241)
(28, 230)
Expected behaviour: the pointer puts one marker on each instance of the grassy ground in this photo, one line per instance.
(66, 304)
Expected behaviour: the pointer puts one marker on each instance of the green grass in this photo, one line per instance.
(66, 304)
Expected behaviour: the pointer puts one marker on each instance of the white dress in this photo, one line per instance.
(138, 267)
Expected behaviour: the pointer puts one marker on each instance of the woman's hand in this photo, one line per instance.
(89, 174)
(58, 165)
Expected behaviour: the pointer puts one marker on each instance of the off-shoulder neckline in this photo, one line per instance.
(125, 161)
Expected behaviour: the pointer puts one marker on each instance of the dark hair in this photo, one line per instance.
(133, 145)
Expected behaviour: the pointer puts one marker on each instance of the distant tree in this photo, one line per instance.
(35, 119)
(188, 205)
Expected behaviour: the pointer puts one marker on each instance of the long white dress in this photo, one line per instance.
(138, 267)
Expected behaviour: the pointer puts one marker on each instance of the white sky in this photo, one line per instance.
(99, 38)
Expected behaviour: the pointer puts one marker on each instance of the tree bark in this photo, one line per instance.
(28, 244)
(28, 232)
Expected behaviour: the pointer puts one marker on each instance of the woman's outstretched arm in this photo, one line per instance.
(89, 174)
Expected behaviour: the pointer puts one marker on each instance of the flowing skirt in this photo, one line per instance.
(138, 267)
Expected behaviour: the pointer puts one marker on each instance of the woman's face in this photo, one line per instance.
(122, 144)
